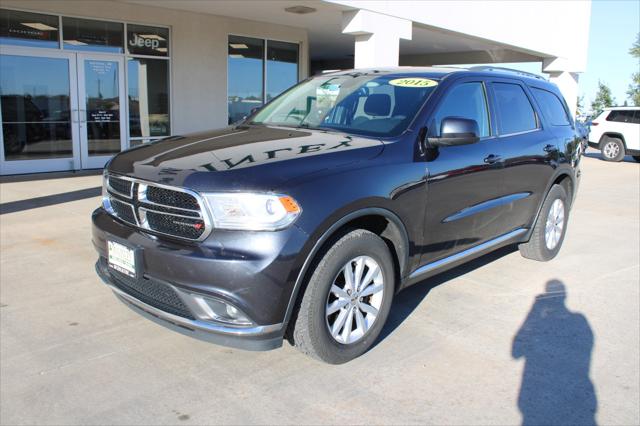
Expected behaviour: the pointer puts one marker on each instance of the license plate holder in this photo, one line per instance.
(123, 258)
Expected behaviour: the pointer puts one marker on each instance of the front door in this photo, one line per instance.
(101, 100)
(60, 110)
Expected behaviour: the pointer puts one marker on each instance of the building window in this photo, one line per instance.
(148, 41)
(282, 67)
(148, 78)
(258, 71)
(28, 29)
(90, 35)
(148, 86)
(245, 76)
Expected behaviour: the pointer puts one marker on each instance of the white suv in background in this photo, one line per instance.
(616, 132)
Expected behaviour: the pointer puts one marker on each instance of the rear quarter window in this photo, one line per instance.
(551, 107)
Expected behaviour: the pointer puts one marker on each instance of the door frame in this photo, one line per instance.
(98, 161)
(73, 162)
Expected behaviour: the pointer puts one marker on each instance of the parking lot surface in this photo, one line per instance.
(498, 341)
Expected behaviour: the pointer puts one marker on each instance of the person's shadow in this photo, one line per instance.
(556, 345)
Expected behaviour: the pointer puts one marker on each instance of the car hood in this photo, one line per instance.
(243, 157)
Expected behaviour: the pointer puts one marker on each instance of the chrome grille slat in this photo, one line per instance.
(160, 218)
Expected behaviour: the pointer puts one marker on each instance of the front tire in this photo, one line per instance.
(613, 150)
(550, 228)
(347, 300)
(637, 158)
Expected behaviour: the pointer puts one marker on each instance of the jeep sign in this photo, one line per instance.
(149, 43)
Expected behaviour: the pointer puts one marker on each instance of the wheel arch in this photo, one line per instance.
(607, 135)
(380, 221)
(564, 178)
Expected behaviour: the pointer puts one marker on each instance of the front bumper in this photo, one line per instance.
(253, 271)
(256, 338)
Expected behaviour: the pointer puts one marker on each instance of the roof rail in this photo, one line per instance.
(507, 70)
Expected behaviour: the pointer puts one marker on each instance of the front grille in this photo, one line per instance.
(123, 210)
(153, 293)
(120, 186)
(175, 225)
(174, 212)
(170, 198)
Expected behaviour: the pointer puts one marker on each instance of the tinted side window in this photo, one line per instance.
(622, 116)
(515, 111)
(551, 107)
(467, 100)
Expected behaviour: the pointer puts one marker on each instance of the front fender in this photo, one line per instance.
(318, 240)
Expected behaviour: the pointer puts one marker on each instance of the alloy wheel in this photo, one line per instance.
(555, 224)
(354, 300)
(611, 150)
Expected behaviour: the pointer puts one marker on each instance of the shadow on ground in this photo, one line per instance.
(49, 175)
(49, 200)
(556, 345)
(408, 300)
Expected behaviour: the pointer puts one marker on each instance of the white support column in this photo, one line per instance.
(377, 37)
(567, 81)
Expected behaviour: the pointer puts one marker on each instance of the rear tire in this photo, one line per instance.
(550, 228)
(612, 149)
(317, 329)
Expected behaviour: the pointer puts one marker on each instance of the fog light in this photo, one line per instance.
(219, 310)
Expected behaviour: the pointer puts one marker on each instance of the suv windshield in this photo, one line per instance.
(358, 103)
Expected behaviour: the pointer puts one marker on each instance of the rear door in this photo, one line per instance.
(530, 151)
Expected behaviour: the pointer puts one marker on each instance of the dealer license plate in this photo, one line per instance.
(122, 258)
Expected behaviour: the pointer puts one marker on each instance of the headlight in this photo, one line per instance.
(253, 212)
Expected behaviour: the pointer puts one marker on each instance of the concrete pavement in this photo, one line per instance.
(487, 343)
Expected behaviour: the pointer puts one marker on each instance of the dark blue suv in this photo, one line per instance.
(303, 220)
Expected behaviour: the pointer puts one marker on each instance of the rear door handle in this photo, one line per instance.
(491, 159)
(550, 148)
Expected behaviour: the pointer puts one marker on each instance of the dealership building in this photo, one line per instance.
(83, 80)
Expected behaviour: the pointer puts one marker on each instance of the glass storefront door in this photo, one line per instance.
(60, 110)
(38, 92)
(101, 100)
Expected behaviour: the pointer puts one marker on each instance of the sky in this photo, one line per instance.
(614, 27)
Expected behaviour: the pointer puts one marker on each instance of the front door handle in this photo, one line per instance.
(491, 159)
(550, 148)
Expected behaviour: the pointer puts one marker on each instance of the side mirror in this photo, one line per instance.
(456, 131)
(251, 112)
